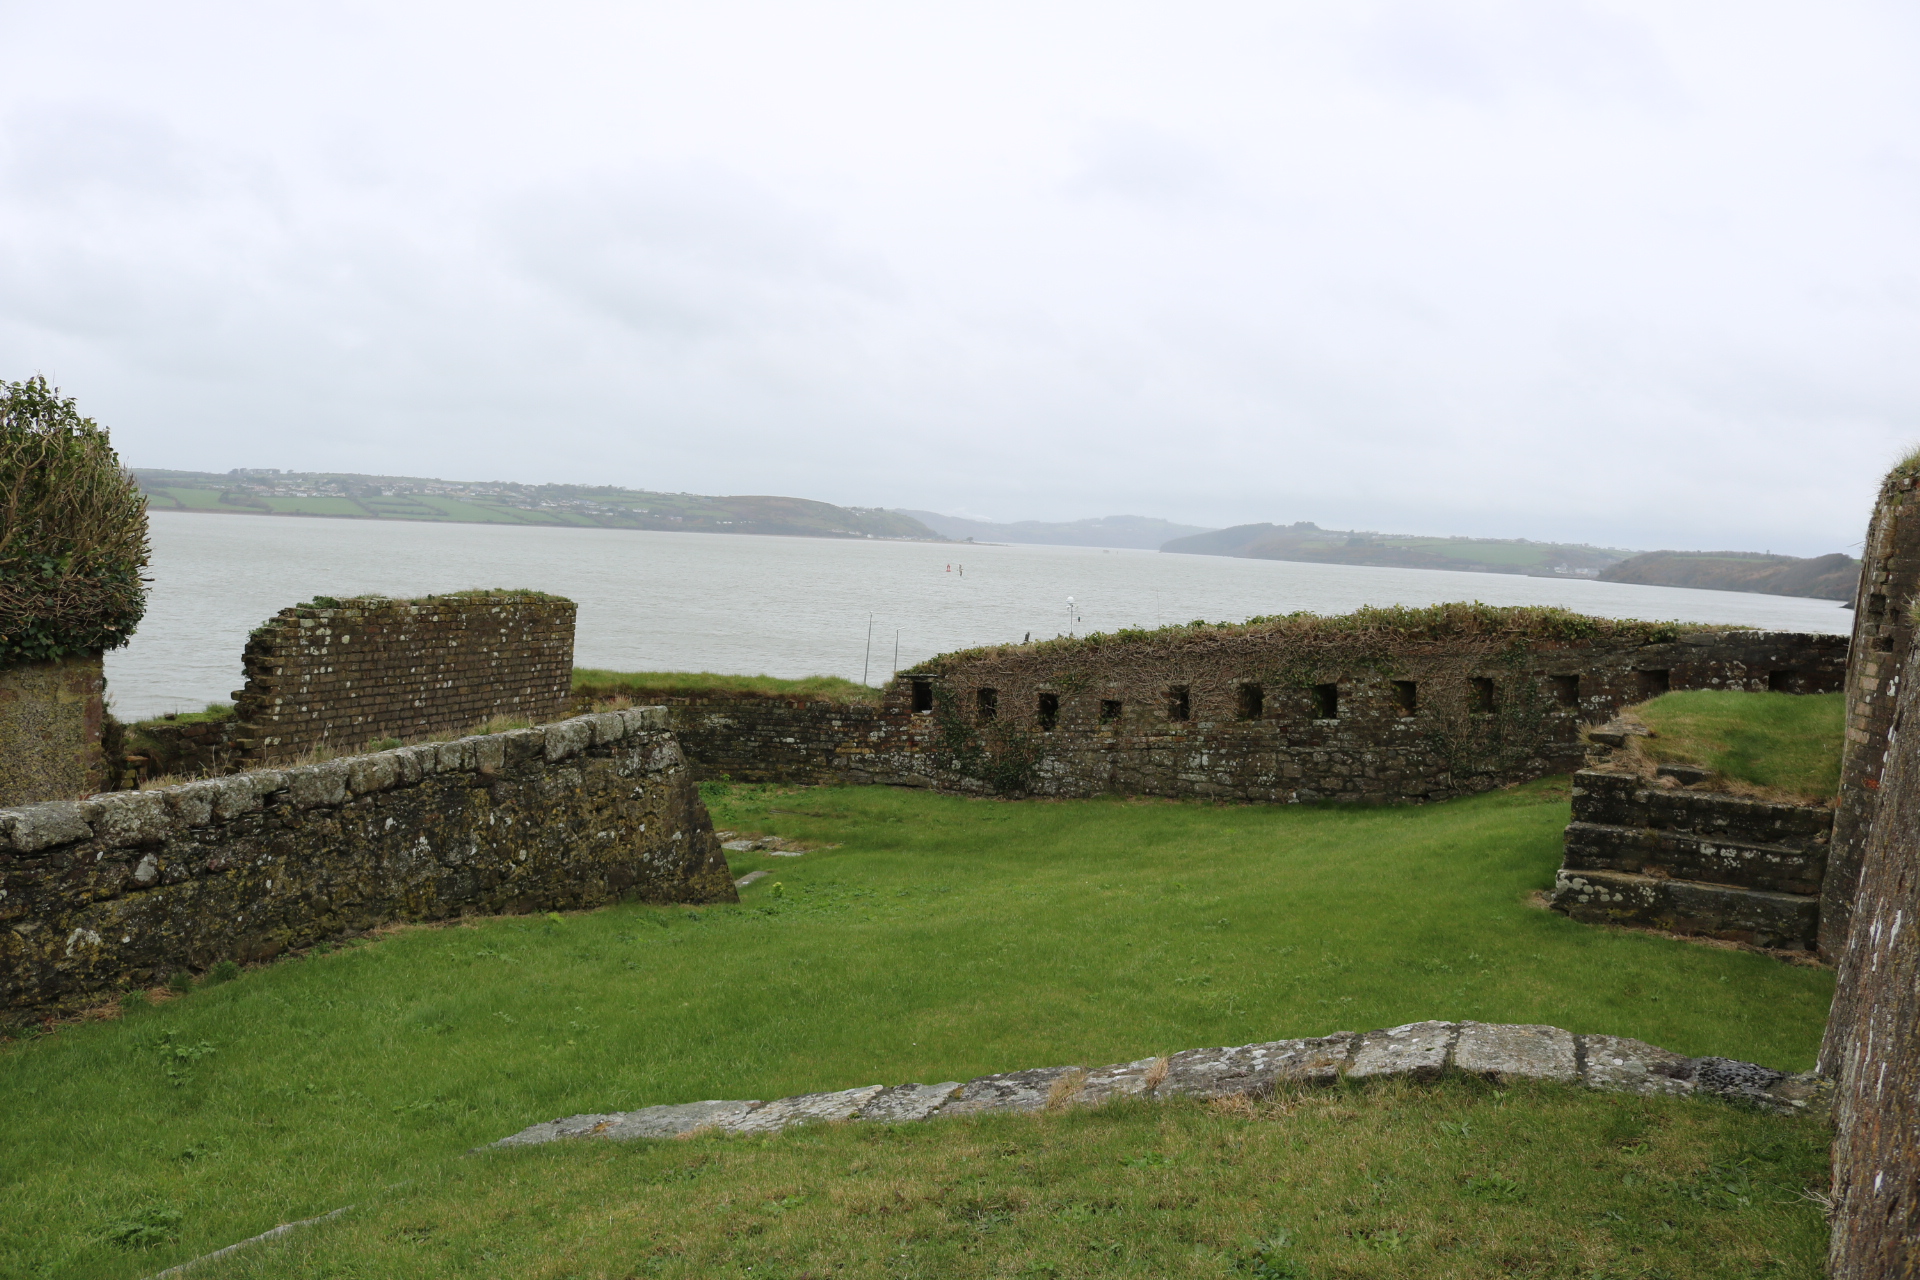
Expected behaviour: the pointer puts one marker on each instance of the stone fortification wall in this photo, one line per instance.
(1693, 862)
(51, 716)
(777, 739)
(127, 887)
(1872, 1045)
(1423, 1051)
(1271, 716)
(347, 673)
(1245, 714)
(1882, 636)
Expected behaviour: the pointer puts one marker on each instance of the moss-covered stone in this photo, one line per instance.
(50, 721)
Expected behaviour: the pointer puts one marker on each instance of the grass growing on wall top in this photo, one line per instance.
(946, 938)
(593, 683)
(1367, 628)
(1780, 742)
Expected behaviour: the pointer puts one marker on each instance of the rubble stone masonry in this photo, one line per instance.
(1882, 636)
(51, 715)
(1693, 862)
(1237, 715)
(128, 887)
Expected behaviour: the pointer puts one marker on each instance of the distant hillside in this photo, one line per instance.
(1820, 577)
(357, 497)
(1308, 542)
(1144, 532)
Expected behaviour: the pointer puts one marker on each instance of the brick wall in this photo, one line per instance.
(125, 888)
(346, 675)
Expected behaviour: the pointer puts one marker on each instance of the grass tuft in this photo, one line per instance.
(590, 683)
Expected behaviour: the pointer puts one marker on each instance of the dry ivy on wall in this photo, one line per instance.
(73, 531)
(994, 752)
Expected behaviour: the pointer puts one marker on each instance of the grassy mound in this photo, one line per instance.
(945, 938)
(1777, 742)
(1459, 1179)
(1369, 633)
(592, 684)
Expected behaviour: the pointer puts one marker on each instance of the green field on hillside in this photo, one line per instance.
(944, 938)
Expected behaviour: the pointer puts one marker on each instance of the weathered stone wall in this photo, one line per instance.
(126, 887)
(365, 670)
(1872, 1046)
(1423, 723)
(1882, 637)
(1693, 862)
(776, 739)
(51, 714)
(177, 749)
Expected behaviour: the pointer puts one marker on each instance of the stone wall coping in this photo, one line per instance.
(1419, 1050)
(124, 819)
(1622, 780)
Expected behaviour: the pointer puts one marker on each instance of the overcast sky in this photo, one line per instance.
(1644, 274)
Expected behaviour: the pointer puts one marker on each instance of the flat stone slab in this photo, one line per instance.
(1122, 1080)
(808, 1108)
(1418, 1049)
(1011, 1091)
(648, 1122)
(1256, 1068)
(1503, 1051)
(908, 1102)
(1621, 1065)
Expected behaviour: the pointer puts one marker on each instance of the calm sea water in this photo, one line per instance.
(780, 606)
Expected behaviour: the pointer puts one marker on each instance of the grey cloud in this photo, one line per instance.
(1134, 161)
(1206, 271)
(1491, 53)
(687, 253)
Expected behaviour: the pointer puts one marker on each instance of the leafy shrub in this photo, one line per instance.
(73, 531)
(224, 971)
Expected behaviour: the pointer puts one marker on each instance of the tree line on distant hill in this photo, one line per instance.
(362, 497)
(1830, 577)
(367, 497)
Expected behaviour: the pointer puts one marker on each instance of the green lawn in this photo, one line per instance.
(1784, 742)
(945, 938)
(1456, 1180)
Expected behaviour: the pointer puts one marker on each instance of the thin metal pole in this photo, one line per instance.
(896, 653)
(867, 662)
